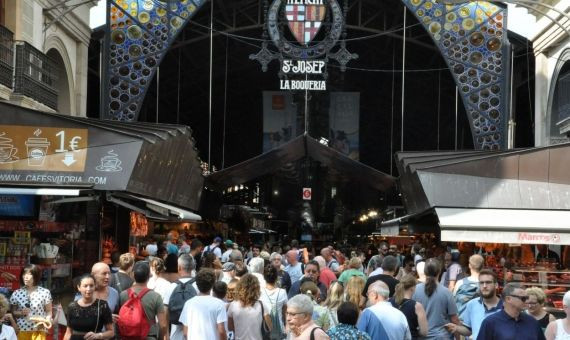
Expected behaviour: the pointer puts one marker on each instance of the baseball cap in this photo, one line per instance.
(229, 243)
(218, 239)
(228, 267)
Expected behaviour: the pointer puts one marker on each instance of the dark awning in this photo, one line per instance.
(158, 161)
(300, 148)
(514, 196)
(536, 178)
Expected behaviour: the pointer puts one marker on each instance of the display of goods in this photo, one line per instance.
(139, 224)
(107, 248)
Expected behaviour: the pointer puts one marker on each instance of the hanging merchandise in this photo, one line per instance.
(139, 224)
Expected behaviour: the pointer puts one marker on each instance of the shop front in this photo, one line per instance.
(512, 207)
(68, 187)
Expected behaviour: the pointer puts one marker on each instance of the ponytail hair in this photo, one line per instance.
(310, 289)
(432, 270)
(407, 282)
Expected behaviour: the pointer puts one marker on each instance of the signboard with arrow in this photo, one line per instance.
(43, 148)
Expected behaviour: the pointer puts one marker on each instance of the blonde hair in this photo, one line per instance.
(476, 261)
(248, 290)
(355, 263)
(126, 261)
(406, 282)
(538, 293)
(353, 291)
(334, 296)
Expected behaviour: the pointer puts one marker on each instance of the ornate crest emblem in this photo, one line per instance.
(305, 21)
(304, 61)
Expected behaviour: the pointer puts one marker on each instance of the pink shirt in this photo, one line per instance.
(306, 333)
(326, 276)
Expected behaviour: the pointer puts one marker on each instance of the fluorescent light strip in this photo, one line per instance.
(39, 191)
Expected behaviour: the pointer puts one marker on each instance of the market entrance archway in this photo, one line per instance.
(471, 38)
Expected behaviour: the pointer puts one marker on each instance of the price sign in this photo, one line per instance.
(42, 148)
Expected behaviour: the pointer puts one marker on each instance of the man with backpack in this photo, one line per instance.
(140, 308)
(178, 293)
(214, 248)
(466, 289)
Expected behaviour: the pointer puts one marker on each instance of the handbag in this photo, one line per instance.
(98, 311)
(265, 329)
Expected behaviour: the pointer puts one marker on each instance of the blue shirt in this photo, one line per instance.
(384, 322)
(347, 332)
(501, 326)
(475, 312)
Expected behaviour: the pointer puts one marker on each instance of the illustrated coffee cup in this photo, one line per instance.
(37, 150)
(7, 152)
(110, 162)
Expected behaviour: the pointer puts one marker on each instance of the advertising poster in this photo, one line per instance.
(279, 119)
(344, 120)
(10, 276)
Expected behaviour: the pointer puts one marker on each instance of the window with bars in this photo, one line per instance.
(35, 75)
(6, 56)
(563, 95)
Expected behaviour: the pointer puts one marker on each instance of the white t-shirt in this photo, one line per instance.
(247, 320)
(376, 271)
(176, 331)
(8, 333)
(214, 249)
(159, 285)
(226, 255)
(202, 314)
(275, 298)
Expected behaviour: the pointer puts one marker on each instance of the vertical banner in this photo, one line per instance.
(279, 119)
(344, 121)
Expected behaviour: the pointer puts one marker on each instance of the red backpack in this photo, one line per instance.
(133, 323)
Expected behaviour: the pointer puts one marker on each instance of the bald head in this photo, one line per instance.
(101, 272)
(292, 257)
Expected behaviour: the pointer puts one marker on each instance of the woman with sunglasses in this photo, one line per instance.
(87, 316)
(535, 303)
(31, 301)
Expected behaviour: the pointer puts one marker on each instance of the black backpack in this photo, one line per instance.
(182, 293)
(209, 249)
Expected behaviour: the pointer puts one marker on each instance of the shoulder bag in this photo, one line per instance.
(265, 329)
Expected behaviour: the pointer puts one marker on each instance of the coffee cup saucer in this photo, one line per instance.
(9, 160)
(108, 168)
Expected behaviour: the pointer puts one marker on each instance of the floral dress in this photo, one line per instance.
(35, 301)
(347, 332)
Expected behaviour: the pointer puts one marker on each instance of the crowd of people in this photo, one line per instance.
(192, 291)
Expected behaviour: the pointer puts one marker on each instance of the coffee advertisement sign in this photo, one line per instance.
(35, 148)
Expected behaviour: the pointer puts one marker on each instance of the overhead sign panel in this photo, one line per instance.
(65, 155)
(42, 148)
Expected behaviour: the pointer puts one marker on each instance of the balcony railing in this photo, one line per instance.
(36, 75)
(6, 56)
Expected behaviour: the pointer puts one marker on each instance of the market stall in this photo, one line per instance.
(88, 167)
(510, 206)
